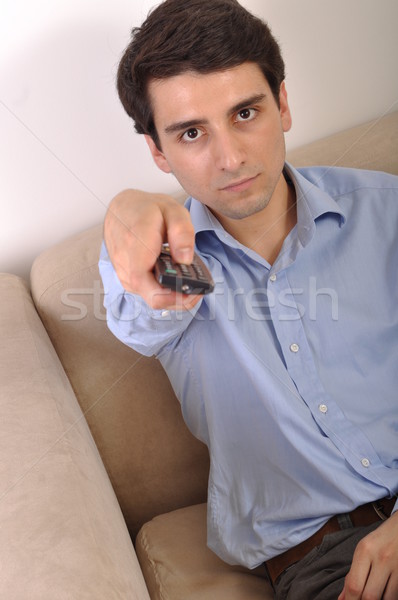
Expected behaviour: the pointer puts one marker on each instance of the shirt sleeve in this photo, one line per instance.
(135, 323)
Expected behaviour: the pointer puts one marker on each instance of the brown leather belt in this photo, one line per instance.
(364, 515)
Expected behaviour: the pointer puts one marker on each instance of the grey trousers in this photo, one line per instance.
(320, 574)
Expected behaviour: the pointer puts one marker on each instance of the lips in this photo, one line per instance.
(240, 185)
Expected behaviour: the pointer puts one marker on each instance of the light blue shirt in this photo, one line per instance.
(289, 372)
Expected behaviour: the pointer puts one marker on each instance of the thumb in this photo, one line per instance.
(180, 233)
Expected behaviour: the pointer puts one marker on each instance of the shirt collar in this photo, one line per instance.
(201, 217)
(312, 203)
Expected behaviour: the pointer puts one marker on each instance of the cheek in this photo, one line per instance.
(272, 143)
(193, 173)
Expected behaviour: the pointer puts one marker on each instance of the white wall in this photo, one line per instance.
(66, 146)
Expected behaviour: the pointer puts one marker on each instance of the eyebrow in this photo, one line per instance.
(183, 125)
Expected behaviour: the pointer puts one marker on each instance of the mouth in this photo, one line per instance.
(239, 186)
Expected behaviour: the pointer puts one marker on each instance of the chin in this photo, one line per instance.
(245, 208)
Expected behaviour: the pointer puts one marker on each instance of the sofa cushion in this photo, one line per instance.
(177, 564)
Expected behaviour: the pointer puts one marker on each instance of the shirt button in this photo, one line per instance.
(165, 313)
(323, 408)
(294, 347)
(365, 462)
(272, 277)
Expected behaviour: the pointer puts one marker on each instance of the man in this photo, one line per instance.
(288, 370)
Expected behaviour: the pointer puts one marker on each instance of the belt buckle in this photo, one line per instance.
(377, 507)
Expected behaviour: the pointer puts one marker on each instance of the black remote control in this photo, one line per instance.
(187, 279)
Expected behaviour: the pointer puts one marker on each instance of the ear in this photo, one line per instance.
(286, 118)
(157, 155)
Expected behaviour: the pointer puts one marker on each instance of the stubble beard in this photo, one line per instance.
(245, 207)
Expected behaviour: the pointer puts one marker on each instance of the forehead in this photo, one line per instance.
(193, 95)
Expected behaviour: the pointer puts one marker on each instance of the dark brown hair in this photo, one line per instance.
(193, 35)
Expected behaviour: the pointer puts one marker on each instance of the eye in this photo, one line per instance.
(246, 114)
(191, 135)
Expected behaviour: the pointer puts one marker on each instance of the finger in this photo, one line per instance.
(357, 576)
(134, 229)
(144, 284)
(171, 301)
(180, 232)
(382, 581)
(186, 302)
(134, 255)
(159, 297)
(391, 591)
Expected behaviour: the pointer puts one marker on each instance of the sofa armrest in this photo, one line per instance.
(62, 534)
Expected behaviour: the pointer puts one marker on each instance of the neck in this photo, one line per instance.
(265, 231)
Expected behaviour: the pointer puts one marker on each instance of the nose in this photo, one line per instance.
(228, 151)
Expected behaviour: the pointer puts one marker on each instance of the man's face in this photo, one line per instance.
(222, 136)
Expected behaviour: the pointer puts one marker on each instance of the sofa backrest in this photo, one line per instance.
(372, 145)
(154, 463)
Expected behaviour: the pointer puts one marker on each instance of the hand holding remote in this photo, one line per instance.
(194, 278)
(136, 225)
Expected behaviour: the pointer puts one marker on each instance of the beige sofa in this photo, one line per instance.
(71, 508)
